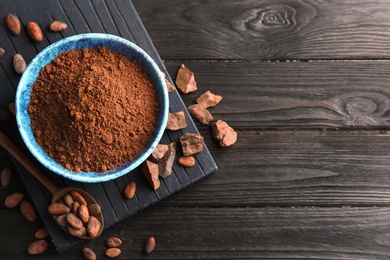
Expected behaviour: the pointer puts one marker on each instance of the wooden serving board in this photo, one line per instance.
(82, 16)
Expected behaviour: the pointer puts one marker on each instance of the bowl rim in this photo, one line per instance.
(43, 58)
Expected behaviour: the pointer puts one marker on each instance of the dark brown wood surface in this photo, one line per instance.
(306, 85)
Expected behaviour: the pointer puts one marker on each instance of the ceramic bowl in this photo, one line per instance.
(80, 41)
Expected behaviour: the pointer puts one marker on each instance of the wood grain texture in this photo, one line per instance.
(276, 30)
(231, 233)
(258, 95)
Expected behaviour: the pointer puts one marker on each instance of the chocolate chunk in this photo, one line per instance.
(158, 152)
(224, 133)
(166, 163)
(150, 171)
(170, 87)
(185, 80)
(208, 99)
(191, 143)
(200, 113)
(176, 121)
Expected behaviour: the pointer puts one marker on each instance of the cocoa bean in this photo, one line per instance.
(28, 211)
(6, 176)
(19, 63)
(61, 221)
(94, 209)
(75, 207)
(68, 200)
(83, 213)
(37, 247)
(88, 253)
(2, 51)
(186, 161)
(130, 189)
(113, 242)
(34, 31)
(13, 24)
(150, 244)
(58, 209)
(57, 26)
(13, 200)
(113, 252)
(93, 226)
(41, 233)
(74, 221)
(78, 197)
(77, 232)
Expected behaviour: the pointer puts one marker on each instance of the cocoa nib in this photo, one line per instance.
(191, 143)
(200, 113)
(166, 163)
(185, 80)
(176, 121)
(208, 99)
(150, 171)
(224, 133)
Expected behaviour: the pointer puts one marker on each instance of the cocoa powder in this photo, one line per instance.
(93, 109)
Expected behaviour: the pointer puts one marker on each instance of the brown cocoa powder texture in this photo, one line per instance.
(93, 109)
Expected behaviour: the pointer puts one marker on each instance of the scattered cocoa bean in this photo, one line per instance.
(11, 107)
(208, 99)
(37, 247)
(13, 24)
(19, 63)
(58, 208)
(200, 113)
(6, 176)
(78, 197)
(93, 226)
(94, 209)
(176, 121)
(41, 233)
(77, 232)
(88, 254)
(113, 252)
(61, 221)
(166, 163)
(2, 51)
(150, 244)
(4, 115)
(113, 242)
(75, 207)
(68, 200)
(13, 200)
(83, 213)
(158, 152)
(191, 143)
(186, 161)
(185, 80)
(129, 190)
(57, 26)
(74, 221)
(224, 133)
(34, 31)
(28, 211)
(150, 171)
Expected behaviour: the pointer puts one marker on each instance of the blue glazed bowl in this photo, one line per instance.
(90, 40)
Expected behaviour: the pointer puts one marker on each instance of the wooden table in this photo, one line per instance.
(306, 85)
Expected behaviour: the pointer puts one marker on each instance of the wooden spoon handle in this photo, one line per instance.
(10, 147)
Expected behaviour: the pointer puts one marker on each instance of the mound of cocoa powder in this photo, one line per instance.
(93, 109)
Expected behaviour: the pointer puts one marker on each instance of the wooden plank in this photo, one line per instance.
(299, 95)
(270, 29)
(232, 233)
(296, 168)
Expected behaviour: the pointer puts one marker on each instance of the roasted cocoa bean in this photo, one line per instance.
(13, 200)
(130, 189)
(113, 242)
(34, 31)
(74, 221)
(58, 209)
(28, 211)
(37, 247)
(113, 252)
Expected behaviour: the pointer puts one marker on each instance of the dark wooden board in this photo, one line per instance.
(114, 17)
(268, 29)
